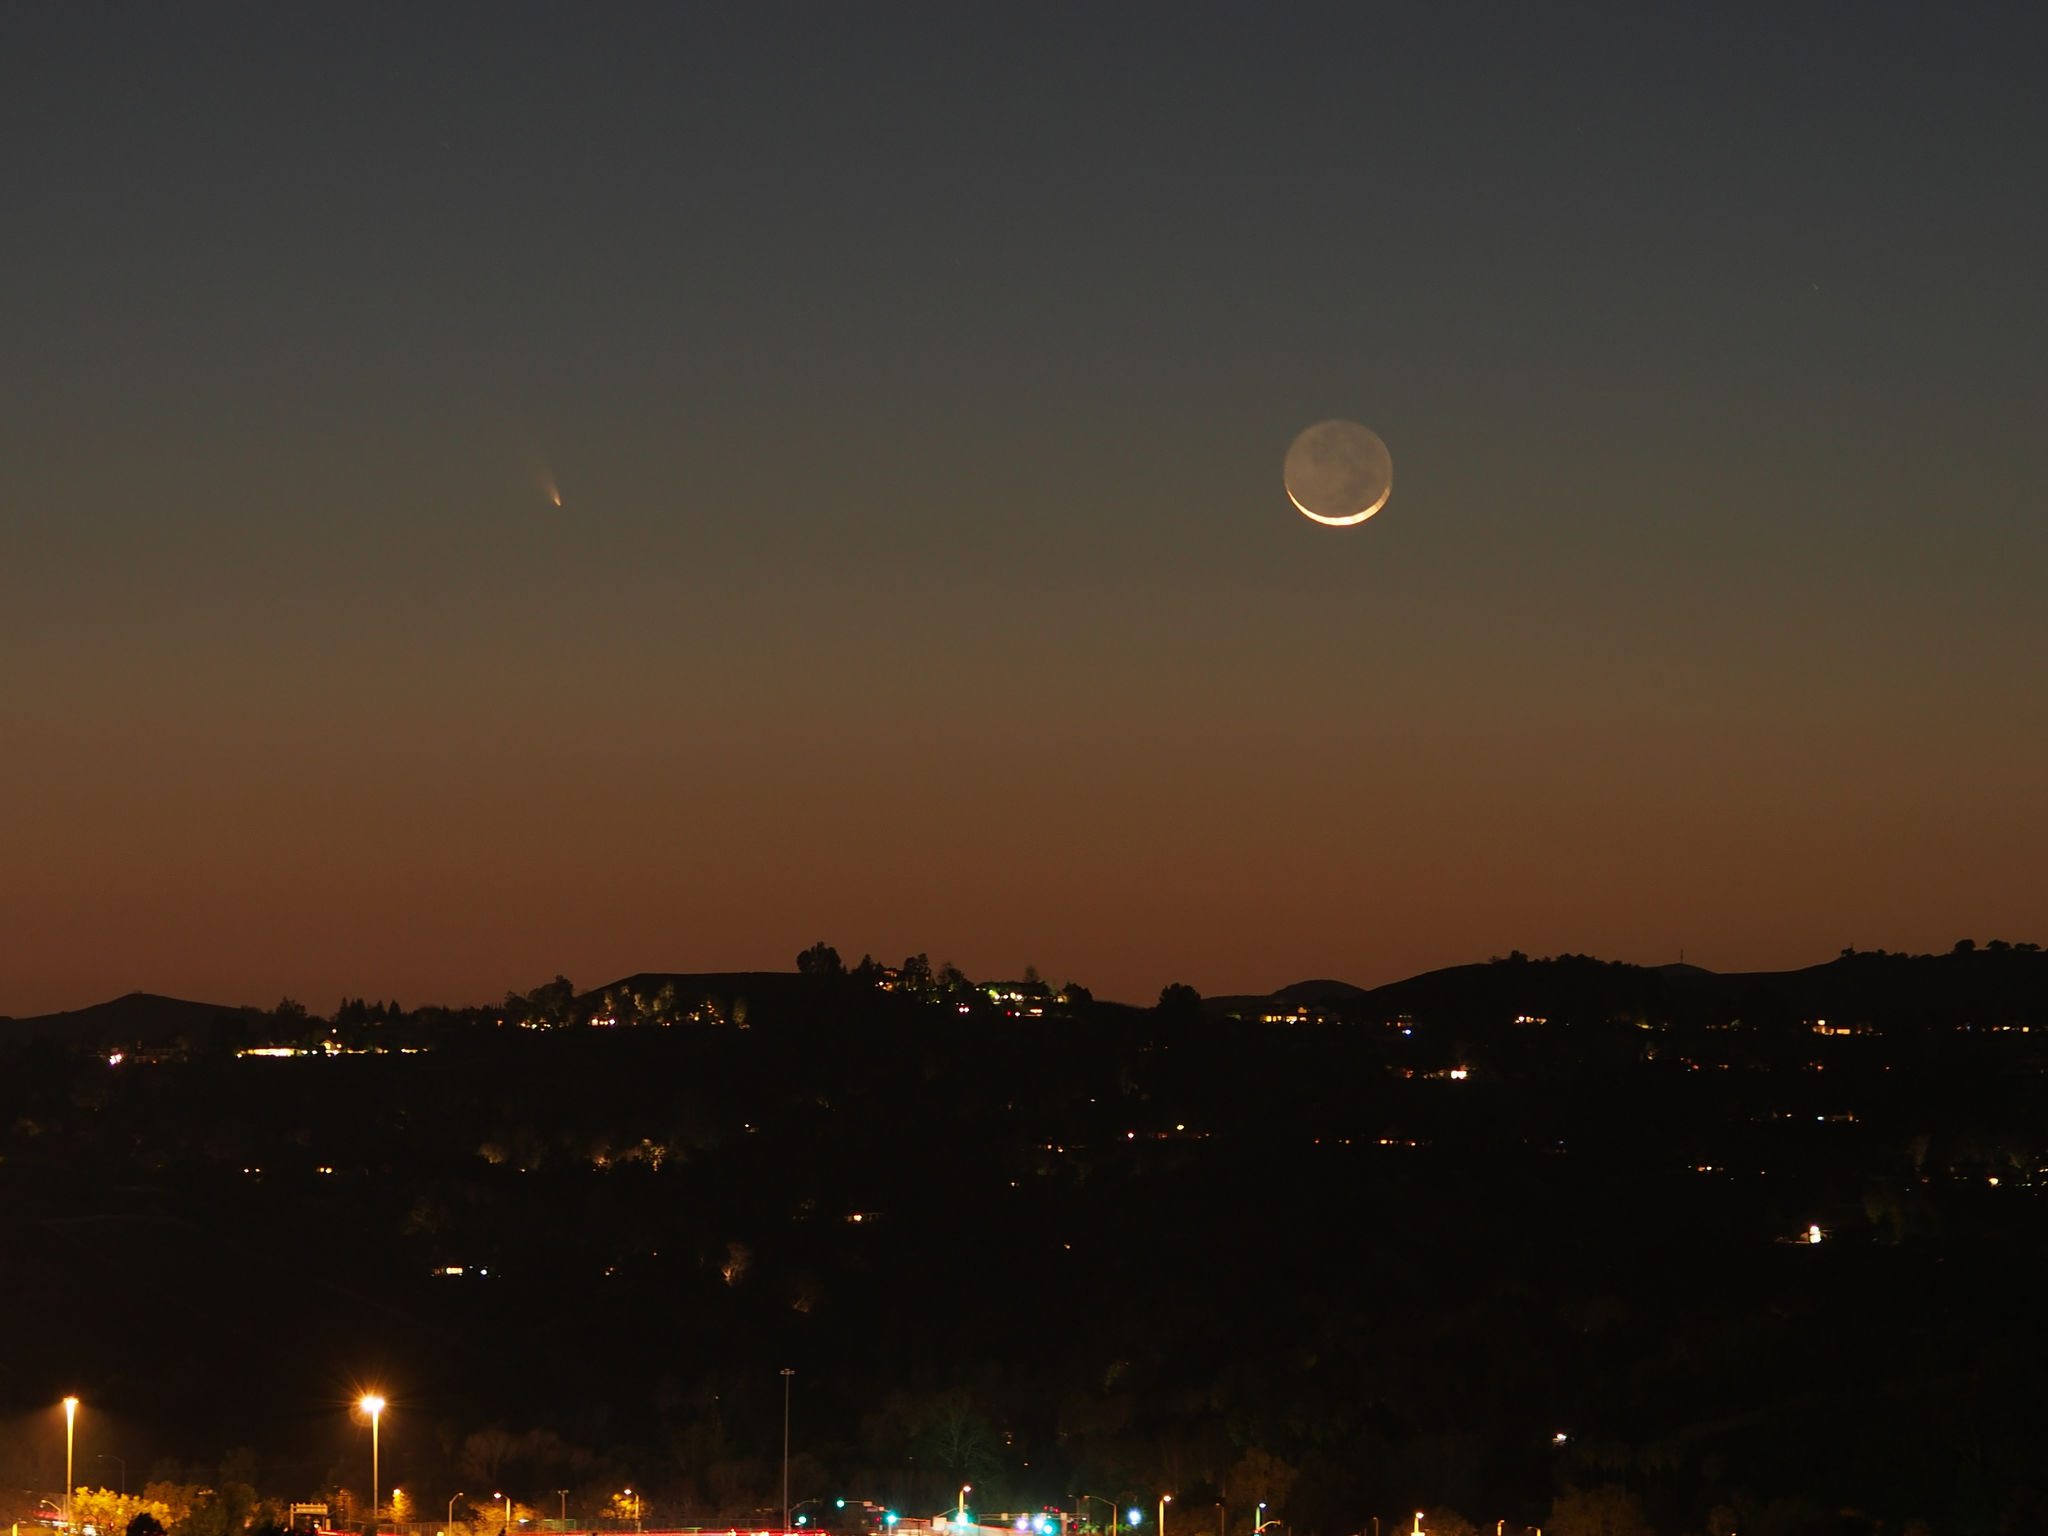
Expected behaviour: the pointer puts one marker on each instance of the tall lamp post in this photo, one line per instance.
(787, 1372)
(960, 1504)
(70, 1427)
(451, 1516)
(1164, 1500)
(373, 1405)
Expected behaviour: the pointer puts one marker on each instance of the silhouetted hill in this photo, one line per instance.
(1316, 991)
(1321, 993)
(139, 1018)
(1989, 986)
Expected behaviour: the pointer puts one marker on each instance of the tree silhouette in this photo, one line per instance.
(1180, 1003)
(821, 959)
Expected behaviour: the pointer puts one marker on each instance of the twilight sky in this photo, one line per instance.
(916, 380)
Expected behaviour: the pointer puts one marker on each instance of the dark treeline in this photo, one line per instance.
(1529, 1241)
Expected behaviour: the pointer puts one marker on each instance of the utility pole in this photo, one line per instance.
(786, 1374)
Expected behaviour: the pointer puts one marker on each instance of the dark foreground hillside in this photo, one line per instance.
(1464, 1243)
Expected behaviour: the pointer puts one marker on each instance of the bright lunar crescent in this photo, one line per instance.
(1338, 473)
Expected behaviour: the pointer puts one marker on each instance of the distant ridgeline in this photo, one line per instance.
(1602, 1249)
(1999, 983)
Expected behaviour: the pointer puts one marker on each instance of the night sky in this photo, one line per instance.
(916, 382)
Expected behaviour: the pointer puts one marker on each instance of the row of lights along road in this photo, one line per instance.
(372, 1406)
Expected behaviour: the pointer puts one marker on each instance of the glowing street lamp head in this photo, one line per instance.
(70, 1406)
(371, 1404)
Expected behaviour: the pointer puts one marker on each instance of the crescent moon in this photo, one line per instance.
(1340, 522)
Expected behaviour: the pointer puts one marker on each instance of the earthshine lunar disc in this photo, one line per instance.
(1338, 473)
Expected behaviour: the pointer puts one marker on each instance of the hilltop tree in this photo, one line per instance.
(821, 959)
(548, 1003)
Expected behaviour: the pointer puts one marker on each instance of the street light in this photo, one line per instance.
(564, 1495)
(960, 1504)
(373, 1405)
(1164, 1500)
(451, 1515)
(508, 1508)
(70, 1425)
(1109, 1524)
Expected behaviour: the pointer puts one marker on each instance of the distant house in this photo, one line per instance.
(1030, 999)
(1020, 999)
